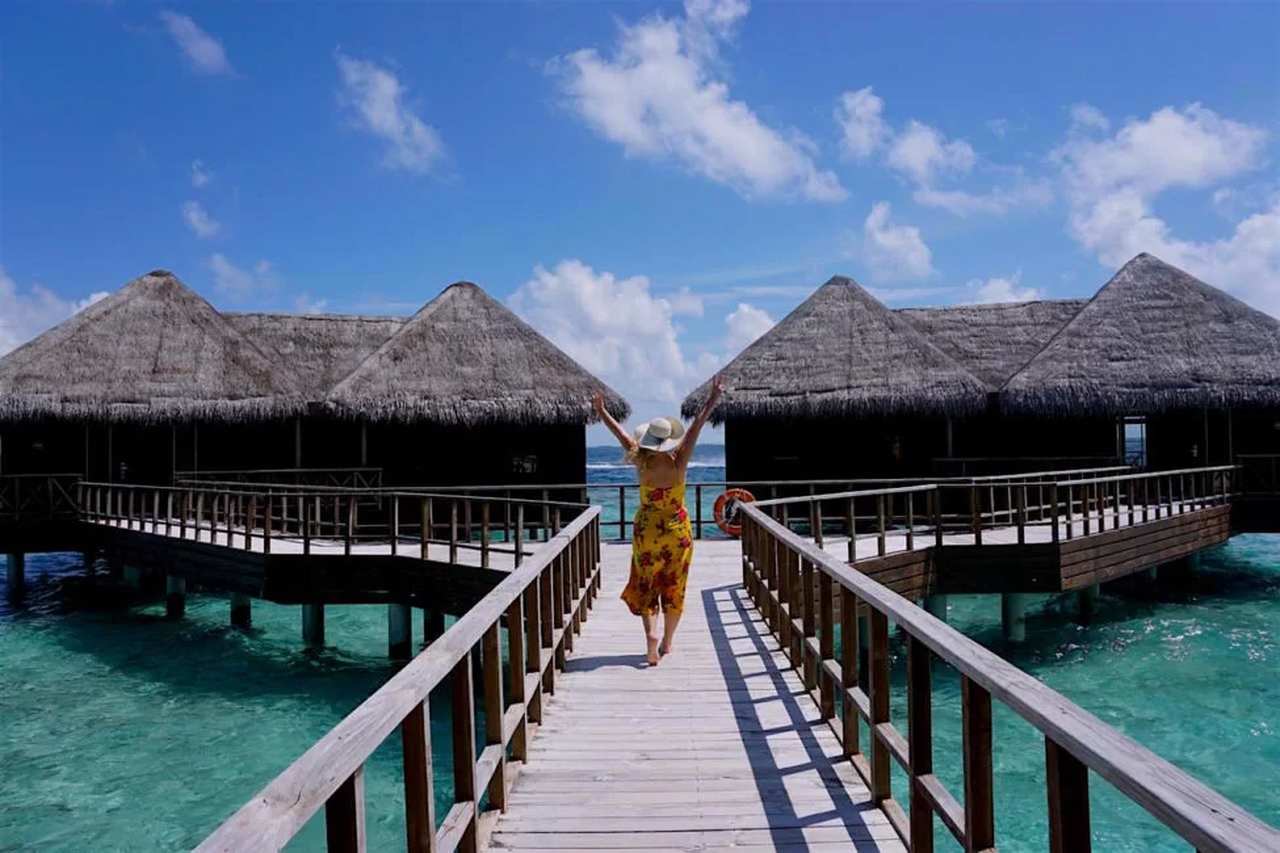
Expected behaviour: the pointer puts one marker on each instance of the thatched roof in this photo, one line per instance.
(465, 358)
(151, 351)
(1153, 338)
(320, 349)
(993, 341)
(842, 352)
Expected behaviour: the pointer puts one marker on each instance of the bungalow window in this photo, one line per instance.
(1135, 442)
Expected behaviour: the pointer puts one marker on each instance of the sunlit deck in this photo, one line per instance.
(717, 748)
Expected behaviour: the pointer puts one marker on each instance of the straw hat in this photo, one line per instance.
(660, 434)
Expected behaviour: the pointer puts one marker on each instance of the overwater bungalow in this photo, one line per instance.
(1196, 367)
(862, 391)
(153, 383)
(841, 387)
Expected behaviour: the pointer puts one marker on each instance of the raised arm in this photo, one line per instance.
(624, 438)
(685, 452)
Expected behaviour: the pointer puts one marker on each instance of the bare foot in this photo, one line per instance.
(664, 649)
(652, 657)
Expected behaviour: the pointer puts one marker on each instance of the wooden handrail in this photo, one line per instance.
(772, 557)
(329, 774)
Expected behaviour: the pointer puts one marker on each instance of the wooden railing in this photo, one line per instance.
(617, 498)
(37, 497)
(543, 604)
(1064, 508)
(251, 517)
(795, 585)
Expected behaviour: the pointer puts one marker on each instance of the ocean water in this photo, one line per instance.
(125, 731)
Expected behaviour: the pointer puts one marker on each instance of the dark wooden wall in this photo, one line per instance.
(409, 454)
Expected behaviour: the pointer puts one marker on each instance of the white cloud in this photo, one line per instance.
(1004, 289)
(998, 126)
(1193, 147)
(200, 176)
(922, 153)
(1088, 117)
(658, 97)
(894, 252)
(614, 327)
(744, 325)
(1113, 181)
(199, 221)
(23, 315)
(239, 282)
(927, 158)
(997, 200)
(376, 101)
(687, 303)
(861, 120)
(203, 51)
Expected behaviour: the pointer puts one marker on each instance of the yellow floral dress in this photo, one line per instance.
(661, 549)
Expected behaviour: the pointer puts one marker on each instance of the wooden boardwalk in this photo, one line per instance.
(717, 748)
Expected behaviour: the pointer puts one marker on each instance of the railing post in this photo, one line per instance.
(920, 741)
(622, 512)
(826, 645)
(935, 498)
(815, 523)
(533, 646)
(976, 521)
(1067, 784)
(878, 685)
(519, 533)
(453, 531)
(351, 524)
(419, 787)
(304, 507)
(1053, 492)
(697, 511)
(849, 671)
(911, 522)
(979, 802)
(1021, 515)
(881, 543)
(395, 525)
(344, 816)
(851, 521)
(464, 749)
(807, 594)
(516, 671)
(484, 535)
(267, 523)
(494, 714)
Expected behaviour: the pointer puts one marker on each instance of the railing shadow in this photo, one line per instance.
(788, 827)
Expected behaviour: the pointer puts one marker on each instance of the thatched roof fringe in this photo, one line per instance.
(16, 407)
(473, 412)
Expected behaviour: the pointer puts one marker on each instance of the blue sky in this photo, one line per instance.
(650, 184)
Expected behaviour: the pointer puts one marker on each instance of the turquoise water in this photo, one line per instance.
(137, 733)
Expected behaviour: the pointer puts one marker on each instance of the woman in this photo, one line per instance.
(662, 538)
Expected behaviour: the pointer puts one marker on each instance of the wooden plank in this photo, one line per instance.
(1067, 783)
(344, 816)
(979, 797)
(419, 795)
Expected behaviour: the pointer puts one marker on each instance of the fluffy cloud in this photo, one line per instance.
(239, 282)
(862, 124)
(199, 221)
(743, 326)
(894, 252)
(614, 327)
(1088, 117)
(1113, 181)
(200, 176)
(375, 99)
(304, 303)
(926, 157)
(23, 315)
(658, 97)
(922, 153)
(203, 51)
(1004, 289)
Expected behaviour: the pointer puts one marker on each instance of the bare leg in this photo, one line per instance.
(670, 621)
(651, 641)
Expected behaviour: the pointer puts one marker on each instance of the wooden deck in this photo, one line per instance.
(717, 748)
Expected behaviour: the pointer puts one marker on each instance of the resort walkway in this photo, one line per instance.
(718, 747)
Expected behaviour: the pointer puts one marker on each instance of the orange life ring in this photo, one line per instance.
(726, 510)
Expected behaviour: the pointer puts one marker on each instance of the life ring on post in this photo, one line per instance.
(726, 510)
